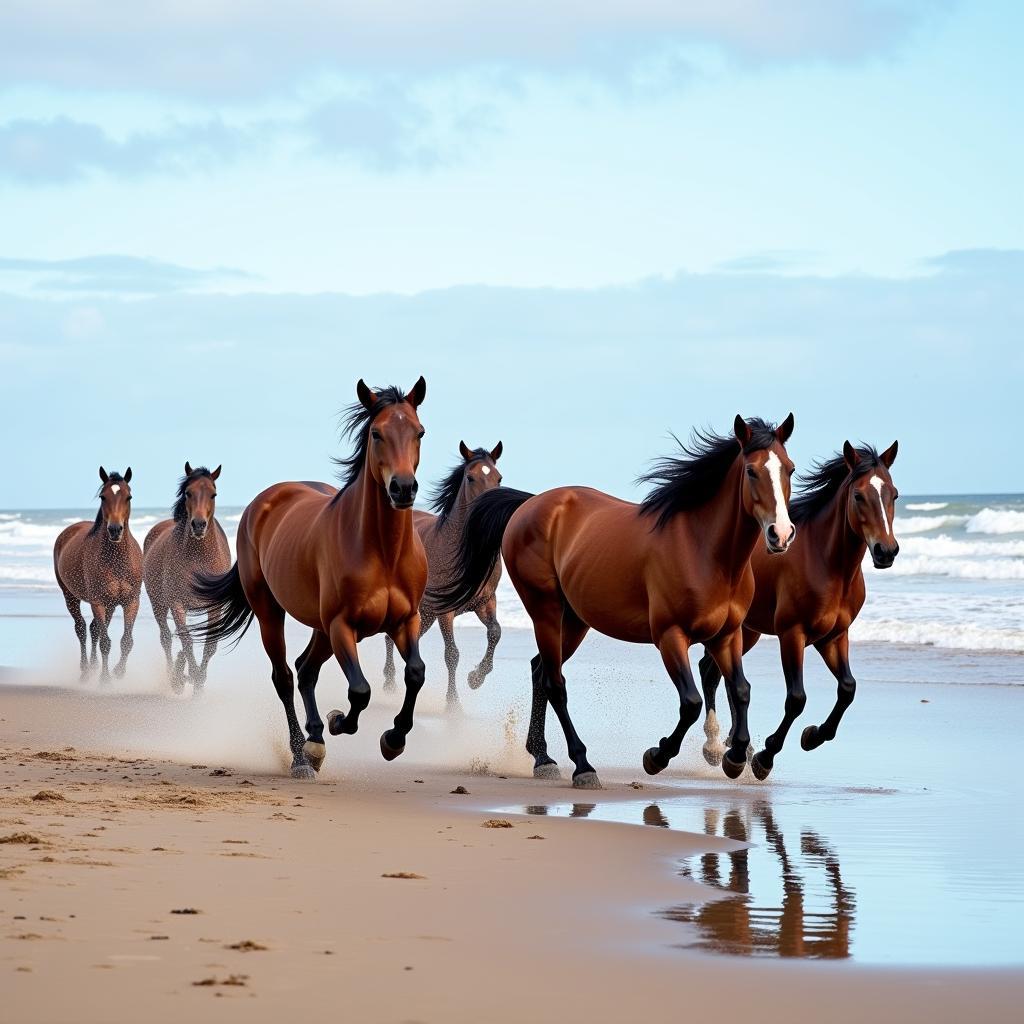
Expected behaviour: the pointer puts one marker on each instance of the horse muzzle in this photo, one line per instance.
(776, 542)
(883, 557)
(199, 527)
(402, 493)
(115, 533)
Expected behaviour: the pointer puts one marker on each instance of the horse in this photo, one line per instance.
(670, 571)
(440, 534)
(346, 562)
(101, 563)
(191, 542)
(845, 508)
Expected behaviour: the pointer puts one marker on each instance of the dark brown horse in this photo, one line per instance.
(441, 534)
(347, 563)
(101, 563)
(845, 509)
(189, 544)
(670, 572)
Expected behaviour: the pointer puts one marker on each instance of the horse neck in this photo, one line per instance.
(838, 547)
(380, 526)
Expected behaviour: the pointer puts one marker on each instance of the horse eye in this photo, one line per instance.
(857, 496)
(419, 436)
(751, 472)
(376, 435)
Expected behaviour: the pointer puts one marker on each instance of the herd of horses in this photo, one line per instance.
(717, 553)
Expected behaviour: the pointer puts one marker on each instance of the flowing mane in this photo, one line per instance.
(820, 484)
(112, 478)
(355, 423)
(683, 483)
(446, 493)
(178, 512)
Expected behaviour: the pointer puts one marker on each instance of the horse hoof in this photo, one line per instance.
(476, 679)
(389, 686)
(713, 753)
(303, 771)
(119, 671)
(733, 769)
(315, 753)
(454, 706)
(651, 764)
(809, 738)
(335, 722)
(547, 771)
(586, 780)
(389, 752)
(760, 767)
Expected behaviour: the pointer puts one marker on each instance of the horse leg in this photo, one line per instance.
(407, 640)
(728, 653)
(307, 667)
(94, 635)
(675, 654)
(75, 609)
(389, 665)
(791, 645)
(343, 644)
(209, 650)
(446, 623)
(487, 613)
(100, 635)
(835, 652)
(710, 677)
(187, 653)
(131, 610)
(160, 613)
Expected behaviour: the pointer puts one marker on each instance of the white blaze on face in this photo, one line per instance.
(876, 482)
(485, 470)
(783, 524)
(115, 488)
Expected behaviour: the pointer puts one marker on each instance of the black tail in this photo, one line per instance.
(225, 598)
(479, 547)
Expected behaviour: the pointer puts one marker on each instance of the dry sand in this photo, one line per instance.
(134, 888)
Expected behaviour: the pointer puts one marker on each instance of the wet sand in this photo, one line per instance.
(296, 912)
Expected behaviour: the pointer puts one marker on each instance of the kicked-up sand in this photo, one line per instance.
(155, 865)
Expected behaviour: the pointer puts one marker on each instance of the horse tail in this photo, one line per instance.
(479, 547)
(230, 612)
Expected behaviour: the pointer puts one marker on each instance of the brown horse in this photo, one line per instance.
(845, 508)
(441, 534)
(347, 563)
(178, 549)
(101, 563)
(670, 572)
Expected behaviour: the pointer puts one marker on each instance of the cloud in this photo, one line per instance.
(979, 261)
(116, 274)
(226, 49)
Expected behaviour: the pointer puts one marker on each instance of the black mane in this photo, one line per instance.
(355, 423)
(112, 478)
(178, 512)
(442, 501)
(684, 483)
(820, 484)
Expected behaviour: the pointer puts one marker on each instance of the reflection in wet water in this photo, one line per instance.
(814, 918)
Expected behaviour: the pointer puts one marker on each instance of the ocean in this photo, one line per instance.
(957, 585)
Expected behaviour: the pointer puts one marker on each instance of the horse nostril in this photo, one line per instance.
(395, 489)
(773, 534)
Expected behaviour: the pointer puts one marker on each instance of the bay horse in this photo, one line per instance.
(845, 508)
(176, 550)
(101, 563)
(347, 563)
(441, 533)
(670, 571)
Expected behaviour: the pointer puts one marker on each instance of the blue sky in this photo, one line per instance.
(585, 227)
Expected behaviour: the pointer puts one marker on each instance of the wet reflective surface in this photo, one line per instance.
(834, 874)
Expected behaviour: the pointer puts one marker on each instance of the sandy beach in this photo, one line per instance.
(301, 890)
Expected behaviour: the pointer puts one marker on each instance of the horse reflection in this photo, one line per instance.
(815, 920)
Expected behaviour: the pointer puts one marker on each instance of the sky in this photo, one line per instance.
(588, 226)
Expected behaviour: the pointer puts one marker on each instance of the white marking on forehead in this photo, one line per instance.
(486, 470)
(877, 482)
(774, 464)
(115, 488)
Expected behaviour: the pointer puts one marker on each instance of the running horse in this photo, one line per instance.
(101, 563)
(476, 473)
(671, 571)
(845, 508)
(176, 550)
(347, 563)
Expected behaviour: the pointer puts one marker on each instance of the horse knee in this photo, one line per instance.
(415, 674)
(796, 702)
(741, 692)
(690, 706)
(847, 690)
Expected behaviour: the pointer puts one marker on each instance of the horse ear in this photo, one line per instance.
(103, 474)
(888, 457)
(216, 473)
(418, 393)
(365, 395)
(188, 468)
(739, 425)
(496, 452)
(464, 451)
(128, 475)
(785, 429)
(850, 455)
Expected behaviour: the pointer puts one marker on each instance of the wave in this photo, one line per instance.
(957, 636)
(945, 546)
(924, 524)
(926, 506)
(960, 568)
(26, 574)
(996, 520)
